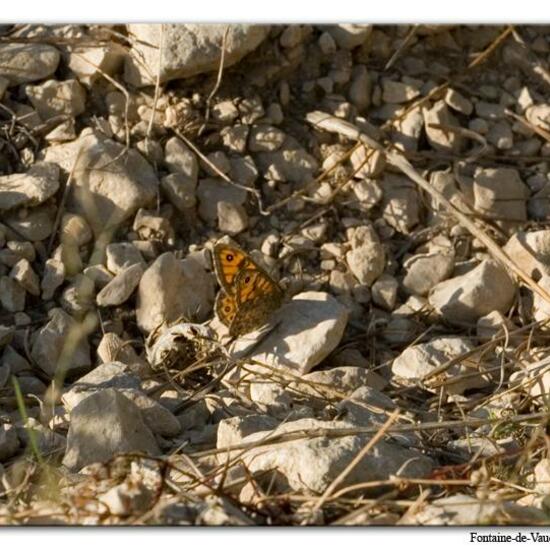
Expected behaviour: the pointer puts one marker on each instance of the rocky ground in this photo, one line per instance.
(394, 179)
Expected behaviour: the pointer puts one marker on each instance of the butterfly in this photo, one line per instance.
(248, 295)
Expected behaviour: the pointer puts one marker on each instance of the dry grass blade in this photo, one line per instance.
(61, 207)
(218, 80)
(157, 86)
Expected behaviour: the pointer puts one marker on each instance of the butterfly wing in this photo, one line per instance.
(229, 261)
(226, 308)
(257, 296)
(254, 285)
(248, 295)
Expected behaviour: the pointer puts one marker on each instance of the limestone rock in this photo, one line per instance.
(311, 326)
(120, 256)
(50, 341)
(170, 289)
(12, 295)
(501, 194)
(34, 224)
(21, 63)
(187, 49)
(311, 463)
(54, 275)
(105, 197)
(400, 203)
(87, 62)
(349, 35)
(466, 298)
(23, 273)
(367, 258)
(424, 271)
(9, 442)
(231, 431)
(418, 361)
(232, 218)
(29, 189)
(104, 424)
(53, 97)
(293, 165)
(465, 510)
(118, 290)
(212, 191)
(530, 251)
(179, 190)
(440, 139)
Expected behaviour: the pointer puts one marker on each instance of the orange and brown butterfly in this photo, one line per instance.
(248, 295)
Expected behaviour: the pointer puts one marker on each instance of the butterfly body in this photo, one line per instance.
(248, 295)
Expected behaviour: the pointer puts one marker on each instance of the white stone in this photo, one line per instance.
(443, 140)
(54, 97)
(418, 361)
(424, 271)
(400, 202)
(225, 111)
(117, 291)
(105, 197)
(231, 431)
(32, 225)
(29, 189)
(120, 256)
(288, 165)
(458, 102)
(170, 289)
(384, 292)
(104, 424)
(265, 138)
(408, 130)
(500, 193)
(336, 381)
(54, 275)
(367, 258)
(466, 510)
(49, 343)
(179, 190)
(27, 62)
(464, 299)
(128, 498)
(12, 295)
(398, 92)
(87, 62)
(368, 192)
(311, 326)
(23, 273)
(530, 251)
(367, 163)
(495, 324)
(179, 159)
(311, 463)
(349, 36)
(232, 218)
(235, 137)
(188, 49)
(212, 191)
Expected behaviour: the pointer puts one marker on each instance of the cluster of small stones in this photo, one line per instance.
(112, 193)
